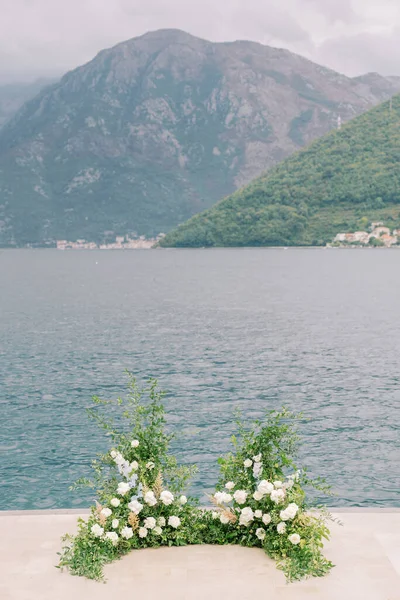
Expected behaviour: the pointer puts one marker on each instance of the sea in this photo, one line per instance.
(314, 330)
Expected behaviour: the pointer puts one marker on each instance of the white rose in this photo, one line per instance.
(257, 469)
(230, 485)
(240, 496)
(113, 537)
(258, 496)
(257, 458)
(157, 530)
(134, 466)
(215, 514)
(135, 506)
(143, 532)
(222, 497)
(150, 465)
(277, 496)
(246, 516)
(266, 519)
(113, 454)
(258, 514)
(150, 523)
(247, 463)
(115, 523)
(288, 484)
(127, 533)
(278, 485)
(260, 533)
(182, 500)
(135, 443)
(224, 519)
(265, 487)
(115, 502)
(123, 488)
(294, 538)
(150, 498)
(97, 530)
(106, 512)
(161, 521)
(281, 528)
(174, 522)
(166, 498)
(289, 513)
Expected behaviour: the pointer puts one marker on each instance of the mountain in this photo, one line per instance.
(342, 182)
(14, 95)
(157, 129)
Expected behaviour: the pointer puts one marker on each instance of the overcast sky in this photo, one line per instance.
(40, 38)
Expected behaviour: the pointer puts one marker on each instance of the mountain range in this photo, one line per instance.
(159, 128)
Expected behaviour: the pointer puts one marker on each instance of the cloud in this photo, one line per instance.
(48, 37)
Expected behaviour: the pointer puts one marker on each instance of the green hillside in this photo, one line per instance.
(340, 183)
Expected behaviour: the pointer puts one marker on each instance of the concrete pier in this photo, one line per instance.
(366, 551)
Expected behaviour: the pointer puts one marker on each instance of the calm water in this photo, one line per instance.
(316, 330)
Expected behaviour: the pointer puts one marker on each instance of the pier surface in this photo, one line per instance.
(365, 550)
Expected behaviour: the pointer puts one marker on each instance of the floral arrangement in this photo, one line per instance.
(260, 499)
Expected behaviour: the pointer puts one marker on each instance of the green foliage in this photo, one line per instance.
(315, 194)
(138, 485)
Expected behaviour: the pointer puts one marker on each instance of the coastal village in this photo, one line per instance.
(121, 243)
(379, 235)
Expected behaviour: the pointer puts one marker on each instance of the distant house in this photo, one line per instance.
(380, 231)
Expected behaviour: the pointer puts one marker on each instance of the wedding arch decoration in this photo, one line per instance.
(260, 498)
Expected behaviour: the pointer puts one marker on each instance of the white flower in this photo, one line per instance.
(157, 530)
(246, 516)
(115, 502)
(288, 484)
(106, 512)
(258, 496)
(113, 454)
(240, 496)
(257, 469)
(182, 500)
(134, 466)
(113, 537)
(150, 465)
(161, 521)
(135, 506)
(150, 523)
(143, 532)
(258, 514)
(260, 533)
(277, 496)
(97, 530)
(119, 459)
(174, 522)
(294, 538)
(215, 514)
(257, 458)
(230, 485)
(278, 485)
(247, 463)
(224, 519)
(266, 519)
(289, 513)
(127, 533)
(281, 528)
(222, 497)
(166, 498)
(265, 487)
(123, 488)
(115, 523)
(135, 443)
(150, 498)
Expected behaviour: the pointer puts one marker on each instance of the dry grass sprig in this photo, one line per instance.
(158, 485)
(133, 521)
(101, 518)
(227, 512)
